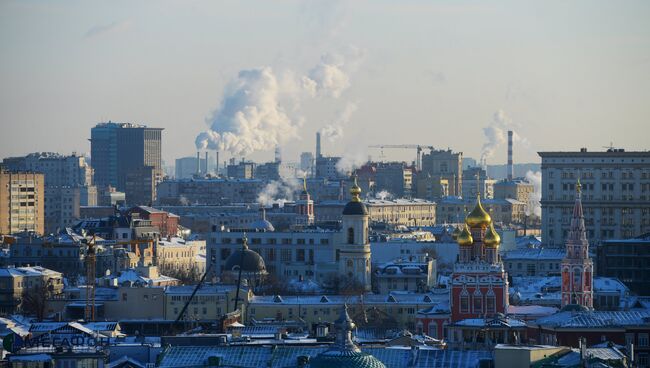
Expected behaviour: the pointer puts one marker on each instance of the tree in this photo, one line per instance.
(35, 301)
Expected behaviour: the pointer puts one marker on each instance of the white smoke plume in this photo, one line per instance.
(351, 161)
(279, 191)
(257, 109)
(534, 206)
(334, 131)
(384, 194)
(497, 135)
(251, 117)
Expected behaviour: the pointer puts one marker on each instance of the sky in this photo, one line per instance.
(449, 74)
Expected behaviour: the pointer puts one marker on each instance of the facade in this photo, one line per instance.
(186, 167)
(615, 193)
(503, 211)
(67, 184)
(306, 162)
(533, 262)
(445, 165)
(407, 212)
(62, 253)
(430, 187)
(268, 171)
(395, 178)
(517, 189)
(175, 255)
(119, 148)
(627, 260)
(140, 185)
(479, 283)
(209, 191)
(15, 282)
(326, 167)
(414, 274)
(353, 248)
(577, 266)
(476, 182)
(22, 202)
(165, 222)
(210, 303)
(242, 170)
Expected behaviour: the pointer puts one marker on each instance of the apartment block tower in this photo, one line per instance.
(21, 202)
(121, 151)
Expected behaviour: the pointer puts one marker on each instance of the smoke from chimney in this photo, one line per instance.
(510, 167)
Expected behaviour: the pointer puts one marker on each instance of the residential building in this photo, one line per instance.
(140, 185)
(165, 222)
(210, 302)
(627, 260)
(517, 189)
(407, 212)
(475, 182)
(22, 202)
(445, 165)
(395, 178)
(615, 193)
(431, 187)
(15, 282)
(415, 274)
(208, 191)
(326, 168)
(533, 262)
(503, 211)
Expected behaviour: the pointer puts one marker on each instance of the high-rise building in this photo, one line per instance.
(22, 199)
(394, 177)
(476, 182)
(118, 148)
(577, 266)
(67, 185)
(326, 168)
(615, 194)
(445, 165)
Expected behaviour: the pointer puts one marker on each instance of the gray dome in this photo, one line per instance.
(262, 224)
(250, 261)
(355, 208)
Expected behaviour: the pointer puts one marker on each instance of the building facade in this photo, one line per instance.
(445, 165)
(615, 194)
(208, 191)
(407, 212)
(22, 202)
(627, 260)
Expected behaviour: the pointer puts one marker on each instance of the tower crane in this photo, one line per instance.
(89, 311)
(417, 147)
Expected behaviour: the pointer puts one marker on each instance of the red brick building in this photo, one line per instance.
(166, 222)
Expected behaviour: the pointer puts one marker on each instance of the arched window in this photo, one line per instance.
(464, 302)
(478, 301)
(350, 235)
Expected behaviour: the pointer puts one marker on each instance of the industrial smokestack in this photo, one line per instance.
(198, 162)
(278, 154)
(318, 153)
(510, 168)
(217, 169)
(206, 162)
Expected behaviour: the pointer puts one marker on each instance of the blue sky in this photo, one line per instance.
(565, 74)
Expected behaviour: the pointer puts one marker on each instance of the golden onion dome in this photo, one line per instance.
(455, 233)
(479, 216)
(465, 238)
(355, 191)
(492, 238)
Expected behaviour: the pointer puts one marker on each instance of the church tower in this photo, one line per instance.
(305, 206)
(577, 267)
(354, 247)
(479, 283)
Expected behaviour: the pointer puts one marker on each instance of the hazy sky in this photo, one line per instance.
(565, 74)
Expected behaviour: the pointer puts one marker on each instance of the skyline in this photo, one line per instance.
(441, 71)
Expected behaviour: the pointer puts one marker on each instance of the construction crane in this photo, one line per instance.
(89, 311)
(417, 147)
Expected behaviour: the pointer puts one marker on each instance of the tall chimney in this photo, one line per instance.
(510, 168)
(217, 169)
(206, 162)
(278, 154)
(317, 145)
(198, 162)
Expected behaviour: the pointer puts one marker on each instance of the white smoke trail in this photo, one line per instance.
(351, 161)
(279, 191)
(334, 131)
(384, 194)
(497, 134)
(534, 206)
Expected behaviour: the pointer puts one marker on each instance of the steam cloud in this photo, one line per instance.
(334, 131)
(384, 194)
(254, 114)
(350, 162)
(497, 134)
(279, 191)
(534, 207)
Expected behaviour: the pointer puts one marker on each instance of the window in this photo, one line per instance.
(350, 236)
(478, 303)
(464, 302)
(643, 340)
(490, 303)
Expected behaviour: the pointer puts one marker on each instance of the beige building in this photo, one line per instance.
(399, 309)
(430, 188)
(504, 211)
(22, 202)
(513, 189)
(506, 355)
(15, 282)
(445, 165)
(211, 302)
(414, 274)
(178, 255)
(408, 212)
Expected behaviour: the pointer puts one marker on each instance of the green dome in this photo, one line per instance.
(345, 359)
(344, 353)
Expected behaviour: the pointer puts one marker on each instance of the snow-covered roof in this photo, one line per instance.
(535, 254)
(596, 319)
(393, 297)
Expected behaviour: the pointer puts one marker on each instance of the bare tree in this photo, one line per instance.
(35, 302)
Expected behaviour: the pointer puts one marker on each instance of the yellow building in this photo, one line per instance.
(22, 202)
(16, 282)
(211, 302)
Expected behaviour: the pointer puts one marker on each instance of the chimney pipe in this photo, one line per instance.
(510, 168)
(206, 162)
(318, 153)
(198, 162)
(217, 169)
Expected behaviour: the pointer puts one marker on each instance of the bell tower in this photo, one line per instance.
(354, 247)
